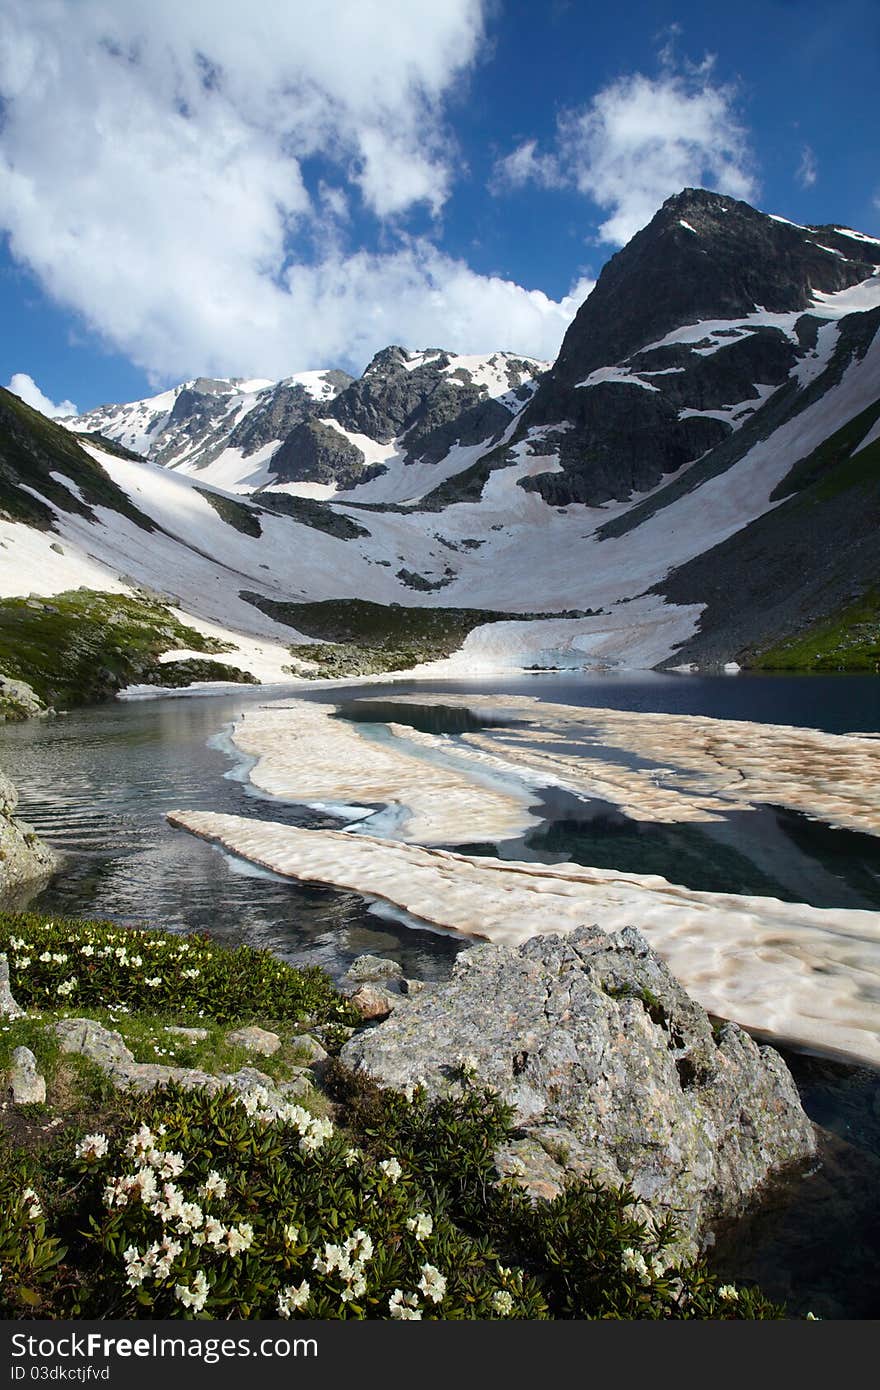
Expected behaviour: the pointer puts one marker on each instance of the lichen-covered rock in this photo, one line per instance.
(611, 1068)
(371, 968)
(90, 1039)
(28, 1087)
(309, 1047)
(254, 1039)
(18, 701)
(23, 856)
(9, 1008)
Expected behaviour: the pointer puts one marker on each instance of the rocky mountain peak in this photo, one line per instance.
(703, 256)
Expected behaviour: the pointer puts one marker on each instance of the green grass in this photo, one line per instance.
(81, 646)
(848, 641)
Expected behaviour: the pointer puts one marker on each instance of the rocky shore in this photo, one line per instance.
(23, 856)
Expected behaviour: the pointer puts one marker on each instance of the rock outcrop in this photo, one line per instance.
(611, 1068)
(23, 857)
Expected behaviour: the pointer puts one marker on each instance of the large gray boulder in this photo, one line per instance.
(611, 1068)
(23, 857)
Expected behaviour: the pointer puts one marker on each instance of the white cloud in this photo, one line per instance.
(642, 139)
(808, 169)
(24, 386)
(173, 172)
(524, 165)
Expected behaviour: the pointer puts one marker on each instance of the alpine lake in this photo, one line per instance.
(96, 784)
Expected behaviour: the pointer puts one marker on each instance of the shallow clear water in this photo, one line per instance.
(97, 784)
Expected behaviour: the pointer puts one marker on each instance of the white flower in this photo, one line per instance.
(421, 1225)
(196, 1295)
(46, 956)
(136, 961)
(93, 1146)
(215, 1231)
(162, 1256)
(153, 981)
(31, 1200)
(391, 1168)
(291, 1235)
(68, 987)
(170, 1165)
(294, 1296)
(811, 1317)
(87, 950)
(351, 1157)
(404, 1307)
(136, 1269)
(634, 1262)
(22, 962)
(502, 1302)
(240, 1237)
(729, 1293)
(433, 1283)
(214, 1185)
(191, 1217)
(360, 1246)
(190, 974)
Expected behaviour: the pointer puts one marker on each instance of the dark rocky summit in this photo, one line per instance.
(611, 1068)
(702, 258)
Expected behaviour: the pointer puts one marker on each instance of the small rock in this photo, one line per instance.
(255, 1040)
(27, 1085)
(59, 549)
(411, 986)
(311, 1048)
(246, 1079)
(189, 1034)
(371, 968)
(143, 1076)
(91, 1039)
(298, 1088)
(8, 1006)
(372, 1001)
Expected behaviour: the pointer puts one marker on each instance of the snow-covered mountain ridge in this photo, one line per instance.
(319, 432)
(696, 476)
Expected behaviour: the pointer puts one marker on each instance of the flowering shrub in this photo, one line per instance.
(231, 1206)
(81, 963)
(29, 1255)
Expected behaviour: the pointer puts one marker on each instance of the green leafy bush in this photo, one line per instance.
(29, 1254)
(72, 964)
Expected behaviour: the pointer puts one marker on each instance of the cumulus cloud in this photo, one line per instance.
(24, 386)
(188, 181)
(808, 169)
(641, 139)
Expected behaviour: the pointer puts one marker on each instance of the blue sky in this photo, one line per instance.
(205, 189)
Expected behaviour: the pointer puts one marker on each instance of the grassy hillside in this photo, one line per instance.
(847, 641)
(80, 647)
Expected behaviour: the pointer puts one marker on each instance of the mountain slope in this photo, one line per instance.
(694, 480)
